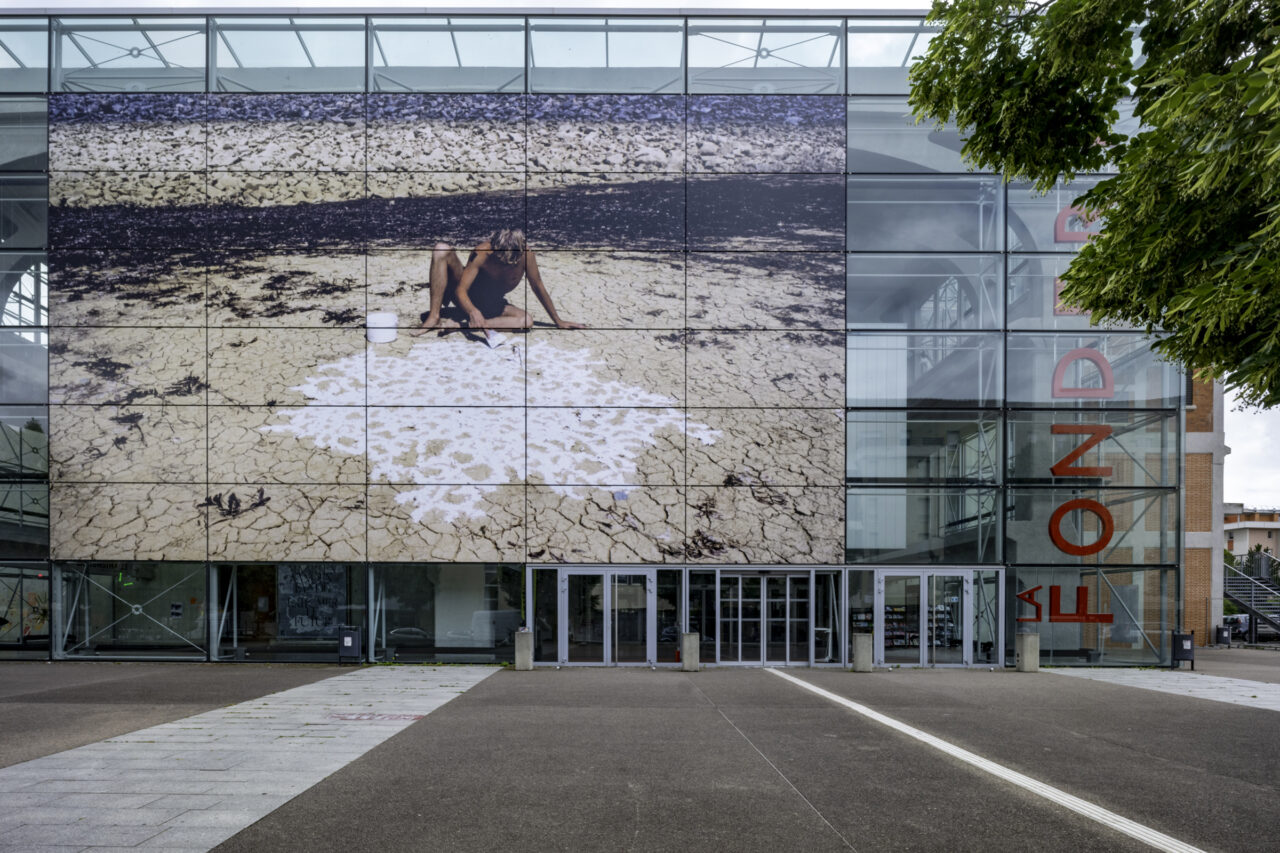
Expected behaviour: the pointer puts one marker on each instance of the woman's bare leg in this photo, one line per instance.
(510, 318)
(446, 272)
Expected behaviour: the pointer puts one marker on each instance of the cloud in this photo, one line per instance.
(1252, 470)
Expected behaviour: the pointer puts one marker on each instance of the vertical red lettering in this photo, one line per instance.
(1097, 434)
(1108, 389)
(1063, 230)
(1087, 505)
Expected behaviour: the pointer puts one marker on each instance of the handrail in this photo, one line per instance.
(1252, 604)
(1270, 589)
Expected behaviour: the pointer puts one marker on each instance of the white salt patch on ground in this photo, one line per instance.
(410, 445)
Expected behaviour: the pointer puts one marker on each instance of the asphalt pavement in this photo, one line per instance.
(730, 759)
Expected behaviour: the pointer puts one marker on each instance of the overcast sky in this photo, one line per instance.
(1252, 473)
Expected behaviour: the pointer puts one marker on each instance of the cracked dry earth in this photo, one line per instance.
(562, 445)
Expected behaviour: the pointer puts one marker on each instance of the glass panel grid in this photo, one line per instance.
(24, 54)
(288, 54)
(129, 54)
(766, 56)
(446, 54)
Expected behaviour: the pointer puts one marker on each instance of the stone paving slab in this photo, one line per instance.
(1237, 691)
(192, 783)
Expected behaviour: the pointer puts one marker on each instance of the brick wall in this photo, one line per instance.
(1201, 418)
(1197, 589)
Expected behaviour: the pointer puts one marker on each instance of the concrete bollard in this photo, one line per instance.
(1026, 652)
(690, 651)
(862, 652)
(524, 650)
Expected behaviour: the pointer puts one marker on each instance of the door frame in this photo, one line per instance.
(925, 575)
(607, 574)
(764, 574)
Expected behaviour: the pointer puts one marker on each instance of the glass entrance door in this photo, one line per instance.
(607, 617)
(923, 618)
(765, 618)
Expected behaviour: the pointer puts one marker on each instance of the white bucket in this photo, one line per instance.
(381, 327)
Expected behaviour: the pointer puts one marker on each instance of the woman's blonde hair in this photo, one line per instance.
(508, 244)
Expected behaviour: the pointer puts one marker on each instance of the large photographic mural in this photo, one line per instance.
(667, 384)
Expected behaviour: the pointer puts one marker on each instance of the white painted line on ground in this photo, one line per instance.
(1235, 691)
(193, 783)
(1110, 819)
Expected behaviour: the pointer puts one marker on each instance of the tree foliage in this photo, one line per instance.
(1190, 236)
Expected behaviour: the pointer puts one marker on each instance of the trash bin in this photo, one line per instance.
(349, 650)
(1184, 648)
(1224, 635)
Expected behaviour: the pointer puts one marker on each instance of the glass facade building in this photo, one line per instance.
(826, 385)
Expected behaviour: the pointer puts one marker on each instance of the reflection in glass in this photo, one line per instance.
(24, 443)
(606, 54)
(24, 611)
(449, 612)
(669, 601)
(24, 366)
(742, 614)
(628, 617)
(922, 370)
(133, 610)
(24, 517)
(902, 619)
(827, 631)
(546, 616)
(702, 612)
(1091, 525)
(884, 137)
(862, 598)
(1051, 222)
(129, 54)
(24, 54)
(24, 126)
(922, 525)
(1034, 295)
(913, 447)
(446, 55)
(24, 289)
(881, 52)
(925, 214)
(586, 618)
(1089, 371)
(924, 291)
(287, 611)
(765, 56)
(24, 209)
(945, 619)
(288, 54)
(1136, 449)
(986, 618)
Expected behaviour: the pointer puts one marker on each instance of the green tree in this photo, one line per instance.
(1190, 231)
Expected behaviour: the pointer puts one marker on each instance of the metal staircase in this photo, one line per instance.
(1257, 596)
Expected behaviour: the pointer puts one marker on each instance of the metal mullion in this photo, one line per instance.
(227, 608)
(719, 615)
(813, 578)
(231, 50)
(151, 43)
(609, 604)
(71, 37)
(297, 31)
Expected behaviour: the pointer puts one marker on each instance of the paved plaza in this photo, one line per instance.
(102, 757)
